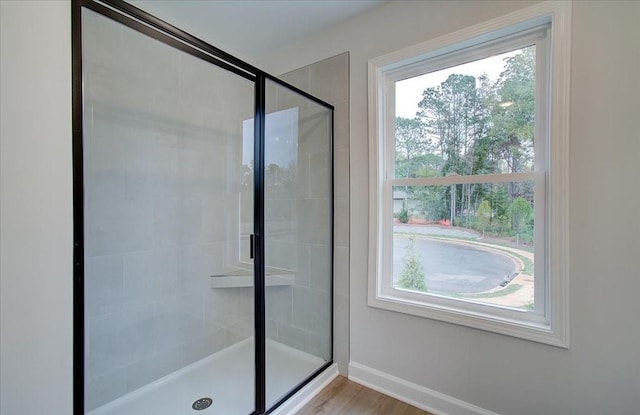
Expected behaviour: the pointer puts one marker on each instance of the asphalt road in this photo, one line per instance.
(452, 267)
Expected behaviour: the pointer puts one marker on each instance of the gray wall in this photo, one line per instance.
(163, 138)
(600, 373)
(329, 80)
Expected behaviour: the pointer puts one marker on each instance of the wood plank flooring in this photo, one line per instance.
(343, 397)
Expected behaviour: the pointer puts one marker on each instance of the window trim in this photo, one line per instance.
(553, 329)
(538, 37)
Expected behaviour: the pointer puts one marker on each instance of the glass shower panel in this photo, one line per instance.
(168, 199)
(298, 239)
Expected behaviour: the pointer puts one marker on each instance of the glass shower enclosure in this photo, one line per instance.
(203, 224)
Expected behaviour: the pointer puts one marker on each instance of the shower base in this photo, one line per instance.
(227, 377)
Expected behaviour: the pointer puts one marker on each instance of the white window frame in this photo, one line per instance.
(549, 322)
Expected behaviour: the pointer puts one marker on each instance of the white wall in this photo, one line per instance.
(36, 211)
(601, 372)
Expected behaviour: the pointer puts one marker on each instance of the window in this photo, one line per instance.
(469, 189)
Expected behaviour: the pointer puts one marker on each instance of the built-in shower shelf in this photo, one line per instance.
(244, 278)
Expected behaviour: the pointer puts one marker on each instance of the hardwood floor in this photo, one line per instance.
(343, 397)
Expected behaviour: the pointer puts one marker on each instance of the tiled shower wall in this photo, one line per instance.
(163, 142)
(328, 80)
(298, 227)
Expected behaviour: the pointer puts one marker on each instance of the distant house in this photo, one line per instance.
(399, 196)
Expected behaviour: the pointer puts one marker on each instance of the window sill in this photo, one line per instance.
(537, 331)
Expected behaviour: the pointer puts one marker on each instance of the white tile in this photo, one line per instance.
(272, 329)
(139, 332)
(101, 40)
(179, 320)
(119, 225)
(320, 174)
(198, 263)
(237, 332)
(320, 265)
(202, 347)
(139, 279)
(341, 125)
(320, 345)
(152, 368)
(165, 168)
(165, 268)
(120, 338)
(329, 79)
(238, 95)
(247, 298)
(217, 218)
(202, 174)
(104, 284)
(303, 271)
(341, 215)
(304, 175)
(314, 128)
(279, 304)
(223, 306)
(286, 99)
(314, 221)
(298, 78)
(105, 388)
(341, 271)
(105, 162)
(281, 253)
(149, 62)
(311, 310)
(178, 222)
(293, 337)
(200, 82)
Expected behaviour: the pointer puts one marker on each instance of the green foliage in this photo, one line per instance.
(455, 114)
(433, 201)
(412, 143)
(500, 201)
(472, 125)
(412, 274)
(483, 215)
(403, 215)
(520, 212)
(512, 131)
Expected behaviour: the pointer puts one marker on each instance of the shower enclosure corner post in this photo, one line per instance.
(258, 248)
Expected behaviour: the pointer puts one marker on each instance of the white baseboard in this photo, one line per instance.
(411, 393)
(304, 395)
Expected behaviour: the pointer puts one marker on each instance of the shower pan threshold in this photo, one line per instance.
(225, 376)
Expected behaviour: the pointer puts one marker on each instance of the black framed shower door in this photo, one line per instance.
(285, 147)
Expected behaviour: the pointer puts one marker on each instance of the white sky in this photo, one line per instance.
(409, 91)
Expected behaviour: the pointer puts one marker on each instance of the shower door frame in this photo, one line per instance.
(147, 24)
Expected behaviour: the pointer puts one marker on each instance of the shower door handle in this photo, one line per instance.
(251, 245)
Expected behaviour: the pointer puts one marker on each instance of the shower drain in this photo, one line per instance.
(202, 403)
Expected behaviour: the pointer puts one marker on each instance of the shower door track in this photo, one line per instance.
(158, 29)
